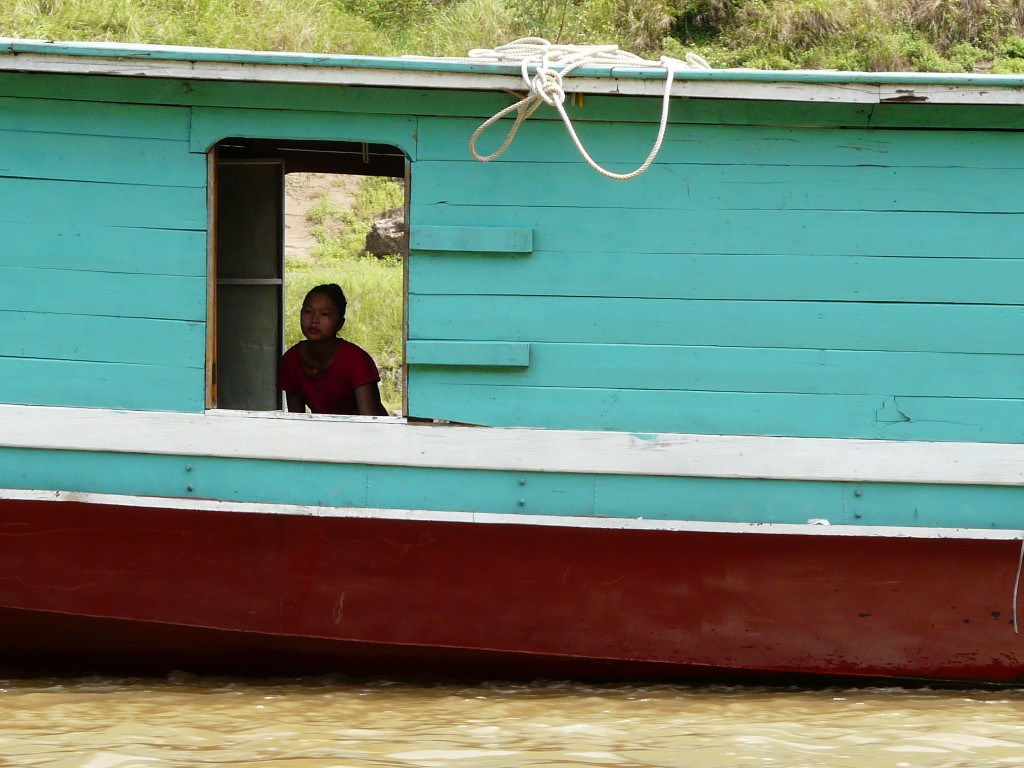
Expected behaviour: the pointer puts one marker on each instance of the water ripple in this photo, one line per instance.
(331, 723)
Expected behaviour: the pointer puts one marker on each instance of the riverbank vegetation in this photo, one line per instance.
(914, 35)
(373, 285)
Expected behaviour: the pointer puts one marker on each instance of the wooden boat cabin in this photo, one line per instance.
(758, 409)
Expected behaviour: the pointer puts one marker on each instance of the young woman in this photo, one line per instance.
(324, 372)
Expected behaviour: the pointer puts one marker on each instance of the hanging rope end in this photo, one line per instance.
(551, 63)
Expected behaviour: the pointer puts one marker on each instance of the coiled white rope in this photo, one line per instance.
(551, 64)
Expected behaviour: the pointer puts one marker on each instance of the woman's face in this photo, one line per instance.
(319, 318)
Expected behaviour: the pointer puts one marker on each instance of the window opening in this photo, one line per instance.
(316, 212)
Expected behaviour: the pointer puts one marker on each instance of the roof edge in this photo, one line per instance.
(143, 60)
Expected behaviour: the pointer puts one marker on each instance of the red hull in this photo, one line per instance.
(92, 584)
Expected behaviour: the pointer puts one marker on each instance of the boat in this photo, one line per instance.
(755, 413)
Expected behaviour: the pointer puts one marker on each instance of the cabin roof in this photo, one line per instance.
(160, 61)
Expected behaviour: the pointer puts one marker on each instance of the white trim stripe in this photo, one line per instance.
(486, 518)
(626, 82)
(279, 436)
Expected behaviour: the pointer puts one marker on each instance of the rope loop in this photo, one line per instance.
(551, 63)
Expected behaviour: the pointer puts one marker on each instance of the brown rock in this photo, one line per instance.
(387, 237)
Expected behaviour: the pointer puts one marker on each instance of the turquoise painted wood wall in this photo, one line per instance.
(103, 267)
(103, 275)
(791, 269)
(519, 493)
(835, 280)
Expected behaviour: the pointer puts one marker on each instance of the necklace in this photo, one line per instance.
(314, 365)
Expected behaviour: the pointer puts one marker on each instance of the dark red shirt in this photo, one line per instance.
(334, 390)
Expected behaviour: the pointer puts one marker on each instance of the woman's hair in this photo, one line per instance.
(333, 292)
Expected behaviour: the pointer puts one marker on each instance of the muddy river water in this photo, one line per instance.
(334, 723)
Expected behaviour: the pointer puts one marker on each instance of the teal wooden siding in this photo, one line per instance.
(788, 268)
(472, 239)
(807, 281)
(103, 269)
(520, 493)
(487, 354)
(210, 125)
(104, 182)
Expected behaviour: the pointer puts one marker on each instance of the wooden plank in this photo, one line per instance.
(976, 419)
(103, 339)
(732, 369)
(119, 205)
(467, 353)
(835, 233)
(140, 93)
(800, 85)
(341, 441)
(480, 105)
(614, 142)
(480, 491)
(725, 276)
(100, 385)
(380, 72)
(985, 515)
(67, 292)
(476, 104)
(118, 160)
(87, 114)
(212, 124)
(928, 116)
(483, 497)
(675, 187)
(274, 96)
(472, 239)
(786, 324)
(353, 99)
(83, 246)
(712, 499)
(728, 112)
(739, 413)
(155, 475)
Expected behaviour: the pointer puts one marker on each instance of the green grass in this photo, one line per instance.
(922, 35)
(373, 286)
(311, 25)
(870, 35)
